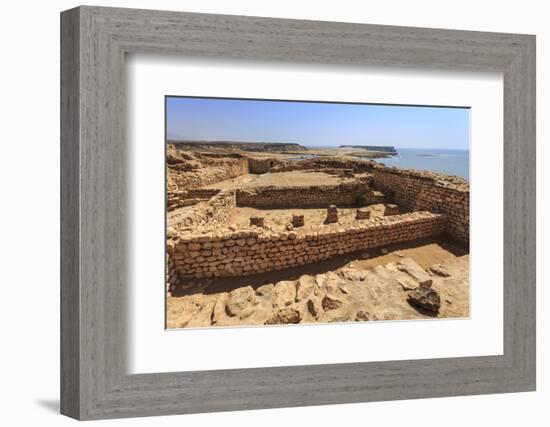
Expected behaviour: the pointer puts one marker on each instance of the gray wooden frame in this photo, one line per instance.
(94, 41)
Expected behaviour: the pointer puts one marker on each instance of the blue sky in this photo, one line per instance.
(317, 124)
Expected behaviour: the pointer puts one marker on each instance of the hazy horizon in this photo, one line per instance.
(316, 124)
(311, 146)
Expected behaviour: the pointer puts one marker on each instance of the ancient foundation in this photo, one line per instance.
(249, 251)
(202, 243)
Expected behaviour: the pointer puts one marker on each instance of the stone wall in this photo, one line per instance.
(247, 252)
(346, 194)
(178, 199)
(322, 163)
(259, 166)
(419, 191)
(217, 210)
(216, 171)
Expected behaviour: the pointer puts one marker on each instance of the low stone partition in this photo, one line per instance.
(247, 252)
(215, 211)
(215, 171)
(178, 199)
(259, 166)
(420, 190)
(342, 195)
(323, 163)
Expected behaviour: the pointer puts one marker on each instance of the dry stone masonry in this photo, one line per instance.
(297, 221)
(427, 191)
(246, 252)
(346, 194)
(362, 214)
(332, 215)
(201, 244)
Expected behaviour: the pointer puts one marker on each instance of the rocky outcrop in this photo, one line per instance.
(284, 316)
(397, 290)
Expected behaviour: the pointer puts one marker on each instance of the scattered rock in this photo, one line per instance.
(425, 298)
(238, 300)
(266, 290)
(285, 293)
(331, 303)
(384, 251)
(365, 255)
(440, 270)
(306, 285)
(365, 316)
(353, 274)
(259, 313)
(329, 281)
(313, 307)
(408, 284)
(284, 316)
(410, 267)
(203, 317)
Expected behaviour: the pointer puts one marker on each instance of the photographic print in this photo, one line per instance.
(303, 212)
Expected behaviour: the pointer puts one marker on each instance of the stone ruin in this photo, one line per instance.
(332, 215)
(362, 214)
(297, 221)
(257, 221)
(202, 245)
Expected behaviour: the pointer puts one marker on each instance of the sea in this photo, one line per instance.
(450, 162)
(447, 161)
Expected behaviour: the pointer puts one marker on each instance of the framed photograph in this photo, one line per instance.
(262, 213)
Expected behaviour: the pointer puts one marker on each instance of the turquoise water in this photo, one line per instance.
(450, 162)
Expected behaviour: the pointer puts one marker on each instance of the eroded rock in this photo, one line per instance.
(331, 303)
(353, 274)
(306, 286)
(365, 316)
(239, 300)
(410, 267)
(425, 298)
(313, 307)
(284, 316)
(285, 293)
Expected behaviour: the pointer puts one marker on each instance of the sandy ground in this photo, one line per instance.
(313, 218)
(342, 289)
(281, 179)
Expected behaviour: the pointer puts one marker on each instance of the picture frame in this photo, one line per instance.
(94, 381)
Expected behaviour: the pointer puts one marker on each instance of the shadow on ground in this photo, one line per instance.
(375, 257)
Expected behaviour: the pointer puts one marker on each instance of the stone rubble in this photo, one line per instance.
(393, 206)
(352, 294)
